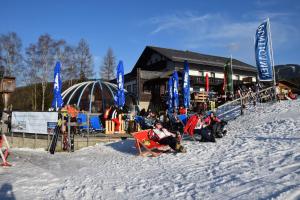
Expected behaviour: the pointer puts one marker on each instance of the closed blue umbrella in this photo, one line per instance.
(57, 98)
(120, 96)
(186, 85)
(175, 90)
(170, 94)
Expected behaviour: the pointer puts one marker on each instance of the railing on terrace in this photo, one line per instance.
(235, 108)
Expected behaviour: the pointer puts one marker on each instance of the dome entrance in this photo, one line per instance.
(94, 96)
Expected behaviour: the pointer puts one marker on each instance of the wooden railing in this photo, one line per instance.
(236, 106)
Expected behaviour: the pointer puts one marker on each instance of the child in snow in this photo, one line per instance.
(163, 136)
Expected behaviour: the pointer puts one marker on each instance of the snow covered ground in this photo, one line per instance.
(258, 159)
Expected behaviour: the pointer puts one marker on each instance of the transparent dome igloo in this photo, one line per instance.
(93, 96)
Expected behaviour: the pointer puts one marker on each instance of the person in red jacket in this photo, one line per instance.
(182, 110)
(197, 126)
(215, 125)
(191, 124)
(114, 116)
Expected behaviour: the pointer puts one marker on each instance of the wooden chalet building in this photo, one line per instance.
(148, 79)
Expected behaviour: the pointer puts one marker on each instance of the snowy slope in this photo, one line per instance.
(258, 159)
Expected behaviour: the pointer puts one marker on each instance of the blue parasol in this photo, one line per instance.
(186, 85)
(120, 96)
(57, 99)
(175, 90)
(170, 94)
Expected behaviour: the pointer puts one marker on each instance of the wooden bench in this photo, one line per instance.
(109, 127)
(142, 141)
(200, 97)
(122, 124)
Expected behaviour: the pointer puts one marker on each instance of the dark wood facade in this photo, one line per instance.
(148, 79)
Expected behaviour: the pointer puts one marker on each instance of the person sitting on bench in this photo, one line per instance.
(163, 136)
(113, 116)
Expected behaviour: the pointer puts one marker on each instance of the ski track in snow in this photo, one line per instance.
(258, 159)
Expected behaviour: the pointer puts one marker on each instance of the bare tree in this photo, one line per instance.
(10, 53)
(84, 60)
(59, 48)
(108, 68)
(69, 67)
(30, 74)
(46, 51)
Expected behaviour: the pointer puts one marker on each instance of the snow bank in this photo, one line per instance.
(258, 159)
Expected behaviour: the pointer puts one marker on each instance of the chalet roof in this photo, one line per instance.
(198, 58)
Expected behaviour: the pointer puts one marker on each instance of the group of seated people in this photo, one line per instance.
(204, 127)
(207, 127)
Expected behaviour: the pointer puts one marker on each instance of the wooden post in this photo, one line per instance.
(69, 133)
(48, 139)
(242, 111)
(77, 144)
(12, 137)
(23, 139)
(109, 127)
(88, 131)
(241, 101)
(122, 124)
(35, 137)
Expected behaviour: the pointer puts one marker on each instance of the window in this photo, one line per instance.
(238, 77)
(134, 89)
(199, 80)
(129, 88)
(202, 75)
(213, 76)
(147, 88)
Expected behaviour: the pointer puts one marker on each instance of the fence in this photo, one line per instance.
(36, 141)
(235, 108)
(83, 137)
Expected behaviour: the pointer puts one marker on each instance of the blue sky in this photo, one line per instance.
(210, 27)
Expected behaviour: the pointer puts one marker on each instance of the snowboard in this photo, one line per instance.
(54, 140)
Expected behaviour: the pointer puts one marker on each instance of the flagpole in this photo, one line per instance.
(231, 63)
(257, 76)
(231, 73)
(271, 48)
